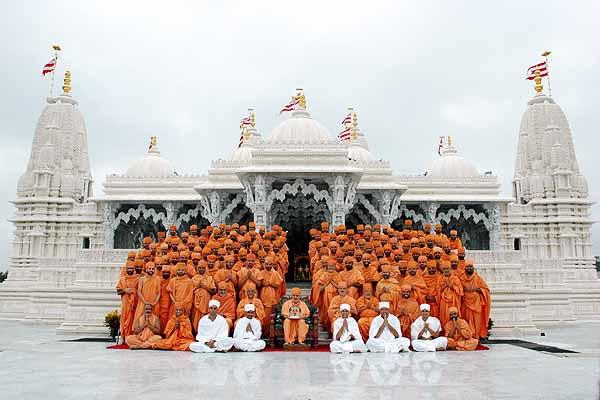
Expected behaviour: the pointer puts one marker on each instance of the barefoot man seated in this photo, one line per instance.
(425, 332)
(213, 332)
(459, 333)
(146, 330)
(385, 334)
(295, 311)
(246, 336)
(346, 335)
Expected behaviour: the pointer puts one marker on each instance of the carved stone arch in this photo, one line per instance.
(404, 212)
(299, 186)
(362, 212)
(132, 226)
(473, 226)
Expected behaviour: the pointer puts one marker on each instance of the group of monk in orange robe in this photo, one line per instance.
(166, 286)
(406, 268)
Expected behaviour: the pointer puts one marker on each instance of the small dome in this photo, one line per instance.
(301, 128)
(450, 165)
(358, 153)
(242, 153)
(152, 165)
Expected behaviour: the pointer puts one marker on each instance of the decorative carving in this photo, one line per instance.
(466, 213)
(140, 211)
(299, 186)
(412, 214)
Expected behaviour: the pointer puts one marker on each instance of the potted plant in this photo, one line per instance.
(113, 320)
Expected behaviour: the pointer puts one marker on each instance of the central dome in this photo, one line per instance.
(152, 165)
(301, 128)
(451, 165)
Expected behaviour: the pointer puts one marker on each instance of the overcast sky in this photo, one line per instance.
(188, 71)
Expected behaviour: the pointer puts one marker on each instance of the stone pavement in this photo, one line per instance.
(35, 363)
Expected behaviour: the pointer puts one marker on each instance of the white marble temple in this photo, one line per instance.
(37, 364)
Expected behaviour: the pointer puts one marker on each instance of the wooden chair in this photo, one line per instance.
(276, 338)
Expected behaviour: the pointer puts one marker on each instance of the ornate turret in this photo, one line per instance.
(59, 162)
(546, 165)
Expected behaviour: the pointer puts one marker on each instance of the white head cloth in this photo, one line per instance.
(215, 303)
(249, 307)
(345, 307)
(425, 307)
(384, 304)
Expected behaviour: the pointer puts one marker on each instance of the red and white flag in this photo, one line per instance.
(542, 67)
(291, 106)
(49, 67)
(245, 122)
(347, 119)
(344, 135)
(440, 146)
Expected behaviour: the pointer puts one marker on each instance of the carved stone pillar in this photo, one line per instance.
(431, 212)
(493, 211)
(109, 228)
(338, 213)
(260, 199)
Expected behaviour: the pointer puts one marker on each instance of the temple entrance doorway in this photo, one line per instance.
(297, 214)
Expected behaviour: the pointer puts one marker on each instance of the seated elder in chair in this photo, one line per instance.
(295, 311)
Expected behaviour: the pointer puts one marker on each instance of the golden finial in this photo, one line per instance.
(449, 140)
(301, 98)
(538, 81)
(546, 53)
(153, 140)
(252, 118)
(56, 47)
(67, 82)
(245, 133)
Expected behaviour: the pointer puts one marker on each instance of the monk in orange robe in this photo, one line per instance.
(455, 242)
(407, 310)
(450, 292)
(386, 284)
(181, 290)
(454, 266)
(431, 280)
(328, 288)
(367, 307)
(333, 312)
(127, 289)
(251, 298)
(146, 330)
(416, 282)
(249, 275)
(228, 307)
(459, 333)
(295, 311)
(477, 302)
(164, 302)
(178, 331)
(148, 291)
(228, 275)
(204, 289)
(269, 292)
(353, 277)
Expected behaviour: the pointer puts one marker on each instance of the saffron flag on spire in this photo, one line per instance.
(542, 67)
(49, 67)
(291, 106)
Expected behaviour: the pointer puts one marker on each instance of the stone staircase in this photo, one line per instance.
(306, 288)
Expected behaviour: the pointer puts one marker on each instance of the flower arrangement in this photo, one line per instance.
(113, 321)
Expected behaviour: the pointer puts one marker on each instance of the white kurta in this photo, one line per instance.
(426, 343)
(208, 330)
(346, 344)
(248, 341)
(386, 342)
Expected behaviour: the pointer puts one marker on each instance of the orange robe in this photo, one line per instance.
(455, 244)
(407, 311)
(128, 301)
(295, 328)
(228, 308)
(419, 287)
(149, 287)
(391, 284)
(462, 338)
(329, 281)
(146, 338)
(259, 308)
(178, 339)
(450, 291)
(367, 310)
(432, 290)
(201, 297)
(229, 276)
(269, 293)
(333, 312)
(182, 290)
(243, 276)
(354, 279)
(370, 275)
(164, 303)
(476, 306)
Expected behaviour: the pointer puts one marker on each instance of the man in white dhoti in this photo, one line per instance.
(346, 334)
(385, 334)
(425, 332)
(246, 336)
(212, 332)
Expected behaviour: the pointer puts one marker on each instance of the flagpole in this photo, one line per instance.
(546, 54)
(56, 50)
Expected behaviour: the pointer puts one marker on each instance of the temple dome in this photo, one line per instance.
(152, 165)
(451, 165)
(242, 153)
(358, 153)
(301, 128)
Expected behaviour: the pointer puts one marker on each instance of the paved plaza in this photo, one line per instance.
(36, 363)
